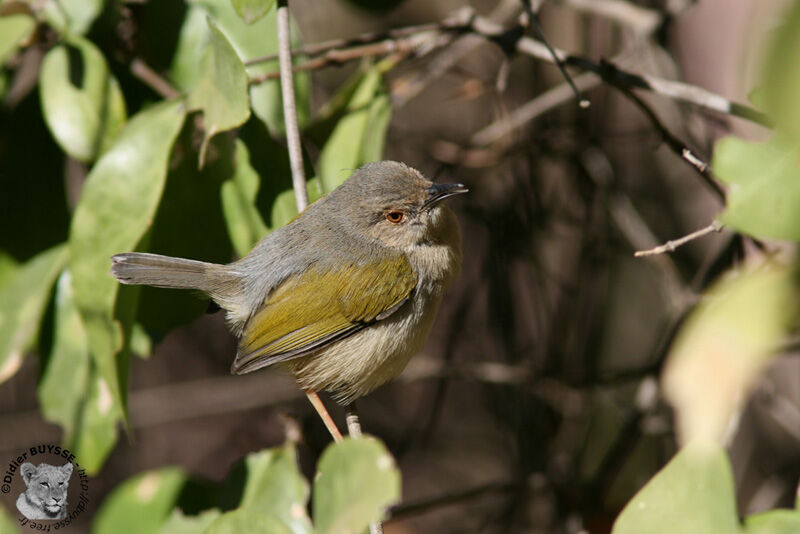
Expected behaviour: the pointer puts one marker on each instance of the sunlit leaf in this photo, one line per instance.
(72, 16)
(693, 493)
(247, 521)
(141, 504)
(193, 524)
(252, 10)
(7, 523)
(14, 29)
(250, 42)
(221, 92)
(239, 204)
(22, 301)
(773, 522)
(95, 433)
(723, 346)
(117, 204)
(8, 267)
(763, 186)
(191, 198)
(275, 487)
(359, 136)
(356, 482)
(65, 379)
(84, 114)
(284, 209)
(781, 80)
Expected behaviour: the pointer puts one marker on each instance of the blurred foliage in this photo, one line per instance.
(118, 166)
(727, 340)
(356, 481)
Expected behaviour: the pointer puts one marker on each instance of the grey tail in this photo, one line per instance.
(138, 268)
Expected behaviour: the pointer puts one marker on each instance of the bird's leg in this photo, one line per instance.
(316, 402)
(353, 424)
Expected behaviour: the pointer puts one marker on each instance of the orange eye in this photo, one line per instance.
(395, 217)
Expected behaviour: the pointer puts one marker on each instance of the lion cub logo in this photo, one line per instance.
(46, 496)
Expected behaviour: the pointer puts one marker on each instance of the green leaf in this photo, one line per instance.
(191, 197)
(252, 10)
(84, 115)
(13, 30)
(95, 431)
(693, 493)
(195, 35)
(781, 79)
(239, 196)
(182, 524)
(247, 521)
(141, 504)
(374, 143)
(276, 488)
(773, 522)
(65, 379)
(22, 301)
(8, 267)
(723, 346)
(250, 42)
(7, 523)
(116, 207)
(284, 209)
(221, 92)
(764, 186)
(72, 16)
(141, 344)
(356, 481)
(359, 136)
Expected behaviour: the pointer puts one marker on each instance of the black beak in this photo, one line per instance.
(439, 192)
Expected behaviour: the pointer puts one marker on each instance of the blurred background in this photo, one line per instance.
(535, 406)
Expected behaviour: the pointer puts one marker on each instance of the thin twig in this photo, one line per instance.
(467, 23)
(339, 56)
(676, 145)
(641, 20)
(290, 107)
(670, 246)
(582, 102)
(538, 106)
(152, 79)
(316, 402)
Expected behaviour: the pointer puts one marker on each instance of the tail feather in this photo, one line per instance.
(137, 268)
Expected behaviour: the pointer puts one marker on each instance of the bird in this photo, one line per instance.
(343, 295)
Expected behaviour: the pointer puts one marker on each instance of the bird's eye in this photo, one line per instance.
(395, 217)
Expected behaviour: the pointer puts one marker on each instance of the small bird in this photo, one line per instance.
(345, 294)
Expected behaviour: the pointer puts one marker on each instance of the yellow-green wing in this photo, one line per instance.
(316, 308)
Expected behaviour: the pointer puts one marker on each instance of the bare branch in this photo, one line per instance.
(152, 79)
(290, 107)
(536, 107)
(675, 144)
(670, 246)
(642, 20)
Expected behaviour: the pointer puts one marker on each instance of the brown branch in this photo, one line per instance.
(290, 108)
(153, 80)
(676, 145)
(465, 22)
(670, 246)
